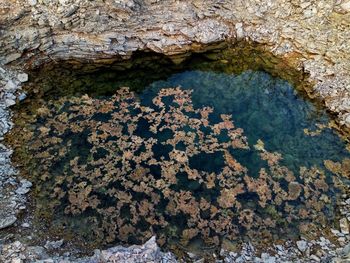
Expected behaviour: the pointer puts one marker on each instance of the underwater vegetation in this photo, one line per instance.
(168, 162)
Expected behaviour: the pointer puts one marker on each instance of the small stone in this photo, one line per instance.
(23, 77)
(32, 2)
(345, 6)
(16, 260)
(71, 11)
(12, 57)
(26, 183)
(10, 102)
(7, 221)
(26, 225)
(302, 245)
(347, 120)
(22, 96)
(265, 257)
(22, 190)
(10, 85)
(346, 250)
(239, 31)
(315, 258)
(54, 244)
(344, 226)
(335, 232)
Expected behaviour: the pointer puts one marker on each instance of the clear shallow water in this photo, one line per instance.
(198, 158)
(266, 108)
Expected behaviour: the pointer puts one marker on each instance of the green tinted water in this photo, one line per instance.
(194, 159)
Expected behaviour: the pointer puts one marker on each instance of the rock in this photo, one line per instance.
(22, 190)
(26, 184)
(302, 245)
(25, 225)
(62, 2)
(266, 258)
(32, 2)
(7, 221)
(71, 11)
(345, 6)
(16, 260)
(22, 96)
(23, 77)
(12, 57)
(10, 85)
(346, 119)
(54, 244)
(239, 31)
(344, 226)
(346, 251)
(315, 258)
(10, 102)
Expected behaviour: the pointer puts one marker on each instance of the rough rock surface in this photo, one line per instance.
(314, 33)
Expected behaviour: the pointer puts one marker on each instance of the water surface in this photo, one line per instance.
(198, 158)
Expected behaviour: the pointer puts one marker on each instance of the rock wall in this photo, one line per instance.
(311, 34)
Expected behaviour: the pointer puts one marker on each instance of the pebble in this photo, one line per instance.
(315, 258)
(26, 225)
(54, 244)
(7, 221)
(22, 190)
(22, 77)
(302, 245)
(346, 250)
(266, 258)
(10, 85)
(345, 6)
(344, 226)
(22, 96)
(10, 102)
(32, 2)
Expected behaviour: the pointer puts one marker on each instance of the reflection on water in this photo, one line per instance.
(198, 158)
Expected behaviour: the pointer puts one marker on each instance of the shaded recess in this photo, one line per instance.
(105, 76)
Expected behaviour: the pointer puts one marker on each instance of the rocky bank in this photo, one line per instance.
(312, 36)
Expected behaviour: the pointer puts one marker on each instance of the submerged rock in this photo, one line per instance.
(7, 221)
